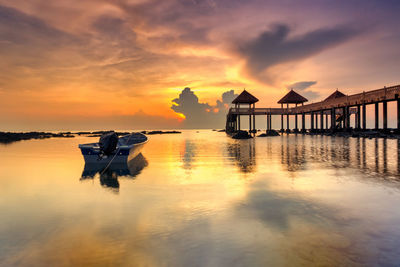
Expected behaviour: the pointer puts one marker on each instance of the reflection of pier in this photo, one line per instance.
(244, 154)
(372, 156)
(109, 177)
(332, 113)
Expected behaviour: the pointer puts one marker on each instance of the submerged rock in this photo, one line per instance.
(269, 133)
(241, 135)
(161, 132)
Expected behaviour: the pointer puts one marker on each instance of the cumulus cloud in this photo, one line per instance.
(274, 47)
(202, 115)
(303, 88)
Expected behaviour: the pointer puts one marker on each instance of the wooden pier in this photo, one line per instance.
(333, 113)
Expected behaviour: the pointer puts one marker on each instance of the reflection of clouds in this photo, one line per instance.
(243, 152)
(276, 209)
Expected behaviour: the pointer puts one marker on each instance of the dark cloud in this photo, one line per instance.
(303, 89)
(19, 28)
(199, 114)
(301, 85)
(30, 42)
(275, 47)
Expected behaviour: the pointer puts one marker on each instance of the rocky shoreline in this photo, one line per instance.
(10, 137)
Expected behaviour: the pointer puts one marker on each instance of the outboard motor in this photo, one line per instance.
(108, 143)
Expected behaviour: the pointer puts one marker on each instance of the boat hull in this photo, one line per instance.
(124, 154)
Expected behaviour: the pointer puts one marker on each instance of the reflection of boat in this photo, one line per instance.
(118, 150)
(109, 175)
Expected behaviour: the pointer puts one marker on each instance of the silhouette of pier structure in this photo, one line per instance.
(331, 114)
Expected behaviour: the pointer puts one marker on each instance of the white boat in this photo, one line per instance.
(127, 148)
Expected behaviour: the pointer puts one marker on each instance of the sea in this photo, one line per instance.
(201, 198)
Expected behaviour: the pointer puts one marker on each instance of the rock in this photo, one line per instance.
(242, 135)
(163, 132)
(9, 137)
(269, 133)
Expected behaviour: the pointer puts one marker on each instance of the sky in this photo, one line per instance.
(150, 64)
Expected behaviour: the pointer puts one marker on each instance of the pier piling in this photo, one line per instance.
(364, 116)
(384, 103)
(376, 115)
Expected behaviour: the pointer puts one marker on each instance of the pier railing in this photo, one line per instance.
(374, 96)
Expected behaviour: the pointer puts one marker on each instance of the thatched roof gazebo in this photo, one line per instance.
(292, 98)
(334, 95)
(245, 98)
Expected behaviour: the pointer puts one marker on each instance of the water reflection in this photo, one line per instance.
(189, 154)
(339, 211)
(298, 153)
(109, 177)
(244, 154)
(371, 156)
(293, 157)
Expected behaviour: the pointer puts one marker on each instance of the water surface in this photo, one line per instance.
(203, 199)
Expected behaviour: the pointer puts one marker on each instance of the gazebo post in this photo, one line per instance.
(287, 118)
(322, 119)
(312, 121)
(295, 121)
(282, 118)
(254, 118)
(326, 120)
(249, 118)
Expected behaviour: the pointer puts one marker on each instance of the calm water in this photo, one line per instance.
(203, 199)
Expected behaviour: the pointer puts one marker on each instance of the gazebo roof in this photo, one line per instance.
(334, 95)
(292, 98)
(245, 98)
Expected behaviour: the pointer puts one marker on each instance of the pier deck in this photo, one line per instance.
(340, 108)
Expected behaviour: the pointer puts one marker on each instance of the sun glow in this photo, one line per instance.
(181, 116)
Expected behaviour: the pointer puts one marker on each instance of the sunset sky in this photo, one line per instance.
(70, 64)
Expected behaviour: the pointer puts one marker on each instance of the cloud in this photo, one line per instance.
(20, 28)
(275, 47)
(202, 115)
(303, 89)
(301, 85)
